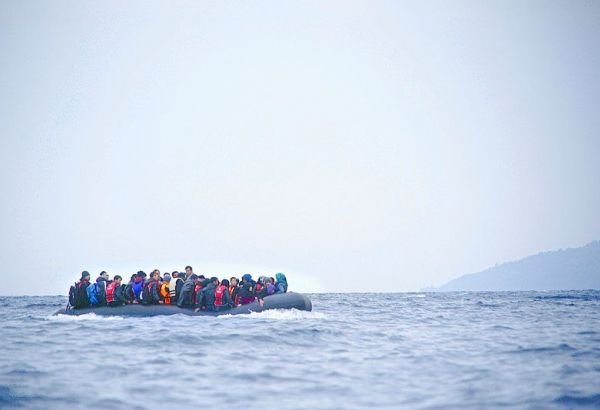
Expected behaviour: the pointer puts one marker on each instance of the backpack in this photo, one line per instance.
(92, 294)
(101, 292)
(73, 295)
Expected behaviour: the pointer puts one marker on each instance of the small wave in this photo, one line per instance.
(563, 347)
(77, 318)
(280, 314)
(486, 304)
(569, 400)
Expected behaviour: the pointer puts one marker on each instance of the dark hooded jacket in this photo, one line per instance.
(101, 290)
(81, 300)
(206, 296)
(120, 295)
(187, 293)
(150, 293)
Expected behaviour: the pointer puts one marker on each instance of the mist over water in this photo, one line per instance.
(415, 350)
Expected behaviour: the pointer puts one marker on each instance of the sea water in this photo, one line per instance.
(401, 350)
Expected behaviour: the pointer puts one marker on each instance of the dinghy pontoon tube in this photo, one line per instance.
(278, 301)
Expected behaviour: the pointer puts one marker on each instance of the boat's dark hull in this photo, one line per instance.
(278, 301)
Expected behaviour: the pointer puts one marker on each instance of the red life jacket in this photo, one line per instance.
(219, 295)
(110, 291)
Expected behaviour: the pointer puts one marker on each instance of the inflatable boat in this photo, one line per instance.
(278, 301)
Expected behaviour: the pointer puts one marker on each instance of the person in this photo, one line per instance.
(234, 291)
(265, 290)
(92, 294)
(188, 272)
(150, 295)
(185, 298)
(222, 297)
(281, 286)
(269, 286)
(115, 292)
(165, 294)
(175, 287)
(129, 289)
(137, 286)
(101, 283)
(200, 283)
(206, 296)
(77, 294)
(247, 290)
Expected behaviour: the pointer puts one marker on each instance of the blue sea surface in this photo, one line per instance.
(353, 351)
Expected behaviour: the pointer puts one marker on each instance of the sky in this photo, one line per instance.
(354, 145)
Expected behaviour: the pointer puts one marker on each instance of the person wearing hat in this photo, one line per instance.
(80, 299)
(164, 289)
(247, 290)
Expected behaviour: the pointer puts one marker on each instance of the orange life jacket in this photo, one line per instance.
(164, 292)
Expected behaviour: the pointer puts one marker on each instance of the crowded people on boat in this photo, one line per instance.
(185, 290)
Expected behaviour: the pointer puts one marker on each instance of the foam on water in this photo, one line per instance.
(80, 318)
(280, 314)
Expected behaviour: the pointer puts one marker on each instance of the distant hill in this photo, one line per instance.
(573, 268)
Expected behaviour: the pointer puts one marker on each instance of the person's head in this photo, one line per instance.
(215, 280)
(188, 270)
(225, 282)
(174, 274)
(156, 271)
(193, 277)
(104, 275)
(85, 275)
(234, 281)
(141, 275)
(202, 277)
(133, 277)
(247, 277)
(268, 280)
(155, 275)
(166, 277)
(118, 279)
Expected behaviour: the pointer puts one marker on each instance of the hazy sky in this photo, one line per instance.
(377, 146)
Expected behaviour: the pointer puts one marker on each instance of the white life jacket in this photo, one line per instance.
(173, 287)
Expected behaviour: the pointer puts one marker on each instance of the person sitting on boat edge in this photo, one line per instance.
(222, 297)
(175, 287)
(205, 300)
(247, 290)
(101, 283)
(115, 292)
(138, 285)
(128, 289)
(281, 285)
(234, 291)
(150, 295)
(77, 294)
(164, 291)
(186, 298)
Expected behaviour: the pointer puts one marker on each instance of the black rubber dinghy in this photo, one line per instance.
(278, 301)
